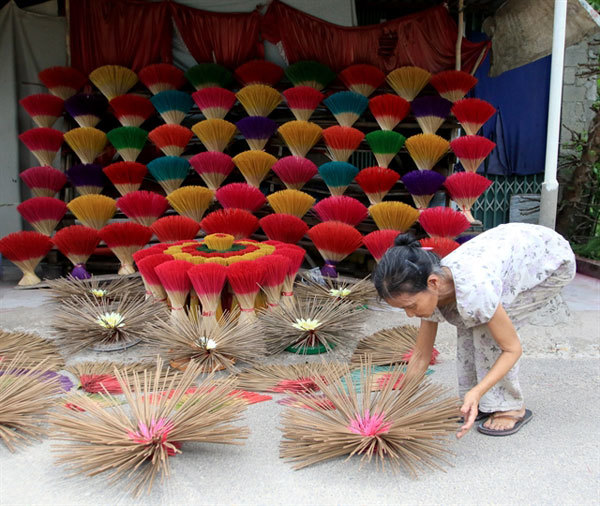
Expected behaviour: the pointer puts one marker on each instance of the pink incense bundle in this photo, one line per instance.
(171, 139)
(335, 241)
(124, 239)
(175, 228)
(453, 84)
(208, 280)
(214, 102)
(174, 279)
(213, 167)
(43, 181)
(26, 250)
(471, 150)
(296, 256)
(239, 223)
(388, 110)
(302, 101)
(443, 222)
(43, 143)
(142, 206)
(342, 141)
(43, 213)
(126, 176)
(441, 246)
(376, 182)
(465, 188)
(131, 110)
(283, 227)
(43, 108)
(245, 278)
(472, 113)
(379, 241)
(276, 269)
(240, 196)
(146, 266)
(295, 171)
(341, 208)
(77, 243)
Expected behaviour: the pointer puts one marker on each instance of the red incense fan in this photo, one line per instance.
(131, 110)
(213, 167)
(275, 271)
(175, 228)
(388, 110)
(43, 213)
(441, 246)
(465, 188)
(453, 84)
(43, 108)
(43, 143)
(302, 101)
(237, 222)
(363, 79)
(376, 182)
(77, 243)
(208, 280)
(283, 227)
(126, 176)
(342, 141)
(171, 139)
(142, 206)
(43, 181)
(335, 241)
(341, 208)
(162, 77)
(214, 102)
(151, 280)
(443, 222)
(174, 279)
(63, 82)
(471, 150)
(245, 278)
(296, 256)
(240, 196)
(472, 113)
(295, 171)
(26, 250)
(124, 239)
(258, 72)
(379, 241)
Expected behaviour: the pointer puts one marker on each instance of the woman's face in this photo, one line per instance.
(421, 304)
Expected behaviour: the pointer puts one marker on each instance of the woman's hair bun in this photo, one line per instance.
(407, 240)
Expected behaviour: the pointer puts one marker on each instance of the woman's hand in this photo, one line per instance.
(469, 410)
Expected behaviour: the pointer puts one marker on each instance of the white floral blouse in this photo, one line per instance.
(497, 266)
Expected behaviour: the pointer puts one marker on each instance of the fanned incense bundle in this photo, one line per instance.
(77, 243)
(422, 185)
(32, 347)
(44, 181)
(171, 139)
(87, 178)
(292, 202)
(256, 130)
(341, 208)
(406, 429)
(254, 165)
(126, 176)
(443, 222)
(98, 377)
(407, 82)
(300, 136)
(152, 283)
(213, 167)
(93, 211)
(309, 73)
(453, 84)
(388, 110)
(191, 201)
(363, 79)
(276, 269)
(128, 141)
(465, 188)
(109, 291)
(294, 171)
(172, 105)
(335, 241)
(160, 77)
(362, 293)
(175, 228)
(337, 176)
(393, 215)
(386, 347)
(43, 108)
(346, 106)
(341, 142)
(430, 112)
(376, 182)
(205, 75)
(379, 241)
(63, 82)
(241, 196)
(214, 102)
(258, 72)
(131, 110)
(136, 447)
(426, 149)
(43, 213)
(26, 250)
(441, 246)
(244, 278)
(472, 113)
(237, 222)
(302, 101)
(471, 150)
(169, 171)
(208, 280)
(86, 142)
(258, 99)
(174, 279)
(215, 134)
(113, 80)
(309, 327)
(43, 143)
(142, 206)
(26, 396)
(86, 109)
(124, 239)
(296, 256)
(283, 227)
(385, 145)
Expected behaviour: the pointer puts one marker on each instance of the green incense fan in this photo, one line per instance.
(205, 75)
(385, 145)
(128, 141)
(310, 73)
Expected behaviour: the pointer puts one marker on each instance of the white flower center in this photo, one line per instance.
(208, 343)
(111, 320)
(306, 324)
(341, 292)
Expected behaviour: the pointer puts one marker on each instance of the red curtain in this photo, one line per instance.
(425, 39)
(228, 38)
(132, 33)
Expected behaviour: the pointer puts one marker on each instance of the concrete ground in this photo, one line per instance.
(555, 459)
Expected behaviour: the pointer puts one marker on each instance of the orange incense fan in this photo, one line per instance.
(171, 139)
(472, 113)
(408, 81)
(471, 150)
(453, 84)
(342, 141)
(26, 250)
(363, 79)
(215, 134)
(63, 82)
(465, 188)
(335, 241)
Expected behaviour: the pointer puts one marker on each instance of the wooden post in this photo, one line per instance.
(461, 31)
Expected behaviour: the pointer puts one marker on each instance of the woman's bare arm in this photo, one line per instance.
(423, 347)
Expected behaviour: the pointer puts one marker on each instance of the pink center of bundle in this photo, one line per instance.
(155, 434)
(297, 385)
(369, 425)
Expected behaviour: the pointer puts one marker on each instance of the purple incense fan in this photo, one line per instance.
(430, 112)
(88, 178)
(256, 130)
(86, 108)
(464, 238)
(64, 381)
(422, 185)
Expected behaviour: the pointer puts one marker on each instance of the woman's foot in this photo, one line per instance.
(499, 422)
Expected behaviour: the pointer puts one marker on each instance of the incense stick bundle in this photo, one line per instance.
(294, 171)
(337, 176)
(443, 221)
(205, 75)
(465, 188)
(283, 227)
(26, 250)
(169, 172)
(175, 228)
(111, 291)
(376, 182)
(362, 292)
(124, 239)
(239, 223)
(128, 141)
(126, 176)
(43, 181)
(275, 272)
(191, 201)
(161, 77)
(302, 101)
(32, 348)
(174, 279)
(87, 178)
(296, 256)
(388, 110)
(244, 278)
(422, 185)
(342, 141)
(208, 280)
(346, 106)
(215, 134)
(472, 113)
(142, 206)
(393, 215)
(309, 73)
(113, 80)
(213, 167)
(385, 145)
(335, 241)
(341, 208)
(86, 142)
(453, 84)
(43, 143)
(172, 105)
(441, 246)
(77, 243)
(379, 241)
(99, 377)
(257, 130)
(408, 81)
(171, 139)
(430, 112)
(214, 102)
(294, 202)
(385, 347)
(240, 196)
(254, 165)
(43, 108)
(87, 109)
(146, 265)
(472, 150)
(258, 99)
(131, 110)
(43, 213)
(363, 79)
(300, 136)
(62, 81)
(258, 72)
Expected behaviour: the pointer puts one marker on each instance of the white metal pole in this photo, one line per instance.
(549, 197)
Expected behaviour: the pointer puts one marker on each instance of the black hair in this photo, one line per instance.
(404, 268)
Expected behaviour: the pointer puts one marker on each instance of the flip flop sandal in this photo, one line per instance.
(521, 420)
